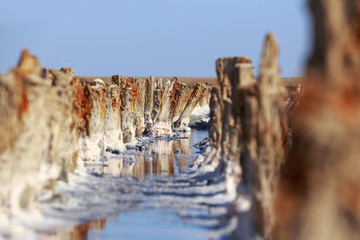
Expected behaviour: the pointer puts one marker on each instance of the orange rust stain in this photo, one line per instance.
(130, 80)
(348, 100)
(114, 103)
(133, 95)
(245, 60)
(185, 99)
(175, 96)
(24, 105)
(161, 91)
(199, 89)
(82, 105)
(194, 92)
(103, 97)
(177, 86)
(136, 93)
(81, 231)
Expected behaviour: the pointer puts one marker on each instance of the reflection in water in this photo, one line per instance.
(79, 232)
(164, 158)
(136, 181)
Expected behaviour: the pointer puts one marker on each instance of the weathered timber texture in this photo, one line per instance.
(112, 124)
(191, 81)
(162, 123)
(233, 128)
(39, 134)
(271, 134)
(205, 97)
(97, 120)
(248, 125)
(182, 98)
(140, 107)
(154, 103)
(215, 124)
(116, 79)
(52, 122)
(158, 93)
(234, 74)
(127, 113)
(149, 99)
(319, 191)
(183, 121)
(166, 101)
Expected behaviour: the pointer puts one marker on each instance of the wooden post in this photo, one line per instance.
(319, 190)
(127, 113)
(97, 120)
(112, 123)
(183, 122)
(140, 107)
(162, 125)
(158, 92)
(248, 124)
(149, 99)
(183, 94)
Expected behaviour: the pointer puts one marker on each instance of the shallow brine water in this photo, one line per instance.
(148, 194)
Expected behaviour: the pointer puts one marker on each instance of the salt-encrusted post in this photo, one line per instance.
(183, 94)
(112, 124)
(38, 136)
(149, 99)
(162, 123)
(127, 113)
(247, 125)
(97, 120)
(139, 107)
(158, 92)
(183, 122)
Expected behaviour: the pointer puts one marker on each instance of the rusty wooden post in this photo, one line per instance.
(183, 121)
(319, 190)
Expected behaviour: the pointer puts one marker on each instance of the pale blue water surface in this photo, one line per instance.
(154, 194)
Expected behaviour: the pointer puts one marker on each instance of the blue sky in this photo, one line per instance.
(159, 37)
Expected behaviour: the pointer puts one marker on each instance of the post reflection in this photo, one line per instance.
(165, 158)
(79, 232)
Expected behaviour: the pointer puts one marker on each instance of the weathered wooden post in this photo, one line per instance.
(140, 107)
(162, 123)
(272, 133)
(215, 123)
(112, 123)
(38, 134)
(127, 113)
(158, 93)
(183, 94)
(247, 125)
(149, 99)
(319, 190)
(116, 79)
(97, 120)
(183, 121)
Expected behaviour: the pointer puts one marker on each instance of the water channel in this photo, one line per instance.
(150, 194)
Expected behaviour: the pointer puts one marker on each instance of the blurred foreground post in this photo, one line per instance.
(319, 196)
